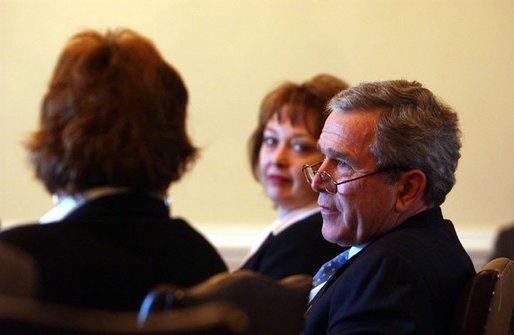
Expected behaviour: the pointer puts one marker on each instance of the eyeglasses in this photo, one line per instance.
(328, 183)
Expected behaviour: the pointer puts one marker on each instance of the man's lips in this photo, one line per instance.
(327, 210)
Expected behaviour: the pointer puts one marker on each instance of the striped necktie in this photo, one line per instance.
(329, 268)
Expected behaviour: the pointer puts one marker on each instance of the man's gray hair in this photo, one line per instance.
(415, 130)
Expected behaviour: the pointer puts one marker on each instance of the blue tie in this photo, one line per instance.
(329, 268)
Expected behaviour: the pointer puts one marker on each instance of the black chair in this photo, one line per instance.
(486, 304)
(271, 307)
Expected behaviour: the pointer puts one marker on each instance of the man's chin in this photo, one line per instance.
(328, 233)
(332, 234)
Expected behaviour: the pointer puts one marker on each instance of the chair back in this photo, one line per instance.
(486, 305)
(23, 316)
(18, 275)
(271, 307)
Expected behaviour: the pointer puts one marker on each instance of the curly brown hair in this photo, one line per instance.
(114, 114)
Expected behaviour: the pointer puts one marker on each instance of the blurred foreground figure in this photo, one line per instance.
(111, 140)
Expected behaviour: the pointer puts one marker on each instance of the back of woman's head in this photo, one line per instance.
(308, 101)
(114, 114)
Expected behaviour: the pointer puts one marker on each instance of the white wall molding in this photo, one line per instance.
(234, 240)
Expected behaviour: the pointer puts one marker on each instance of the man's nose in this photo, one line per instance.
(321, 181)
(317, 183)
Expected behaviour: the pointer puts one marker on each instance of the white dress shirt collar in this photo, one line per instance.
(65, 204)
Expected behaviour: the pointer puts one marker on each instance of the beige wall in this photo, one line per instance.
(231, 52)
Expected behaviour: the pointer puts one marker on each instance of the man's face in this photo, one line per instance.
(363, 209)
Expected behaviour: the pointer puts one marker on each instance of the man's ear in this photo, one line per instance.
(411, 186)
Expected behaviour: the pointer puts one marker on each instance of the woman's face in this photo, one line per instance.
(284, 150)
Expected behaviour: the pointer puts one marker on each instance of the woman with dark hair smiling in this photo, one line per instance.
(111, 140)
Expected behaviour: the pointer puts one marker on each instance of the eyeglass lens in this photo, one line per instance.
(326, 180)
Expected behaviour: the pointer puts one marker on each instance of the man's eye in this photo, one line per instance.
(343, 169)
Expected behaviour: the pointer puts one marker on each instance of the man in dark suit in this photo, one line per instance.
(391, 150)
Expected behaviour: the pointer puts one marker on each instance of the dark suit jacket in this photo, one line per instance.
(404, 282)
(300, 248)
(111, 251)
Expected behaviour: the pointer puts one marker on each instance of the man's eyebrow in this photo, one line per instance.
(334, 154)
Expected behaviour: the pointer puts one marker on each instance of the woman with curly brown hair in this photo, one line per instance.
(111, 140)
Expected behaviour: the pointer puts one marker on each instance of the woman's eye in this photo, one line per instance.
(269, 140)
(301, 147)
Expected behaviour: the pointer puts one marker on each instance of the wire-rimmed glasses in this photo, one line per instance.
(328, 183)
